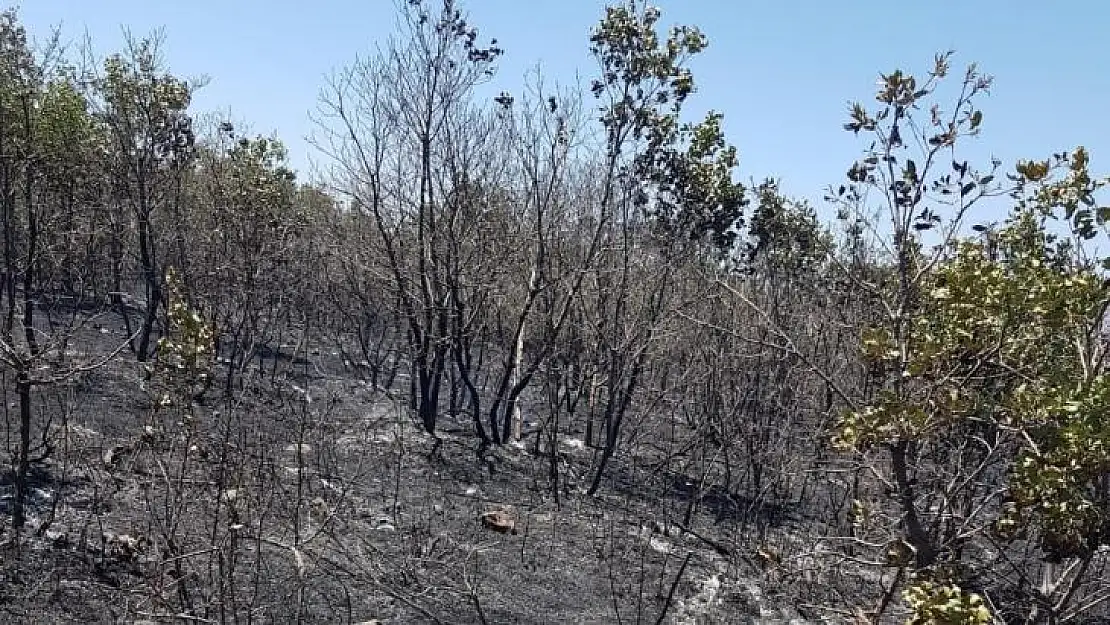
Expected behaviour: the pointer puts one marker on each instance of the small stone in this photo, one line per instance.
(499, 521)
(59, 538)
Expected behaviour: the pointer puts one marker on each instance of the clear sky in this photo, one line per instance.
(782, 72)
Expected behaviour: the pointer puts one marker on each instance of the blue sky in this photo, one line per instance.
(781, 72)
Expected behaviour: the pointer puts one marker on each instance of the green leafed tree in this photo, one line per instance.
(986, 429)
(145, 112)
(667, 187)
(682, 170)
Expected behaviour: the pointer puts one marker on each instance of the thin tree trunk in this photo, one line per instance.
(518, 362)
(23, 461)
(153, 289)
(925, 552)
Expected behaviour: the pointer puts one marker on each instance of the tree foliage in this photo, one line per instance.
(991, 345)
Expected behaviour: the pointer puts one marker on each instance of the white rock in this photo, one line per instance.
(574, 443)
(293, 448)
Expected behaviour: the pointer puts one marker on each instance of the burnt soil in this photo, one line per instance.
(307, 495)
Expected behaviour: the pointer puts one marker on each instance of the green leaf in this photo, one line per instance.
(976, 119)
